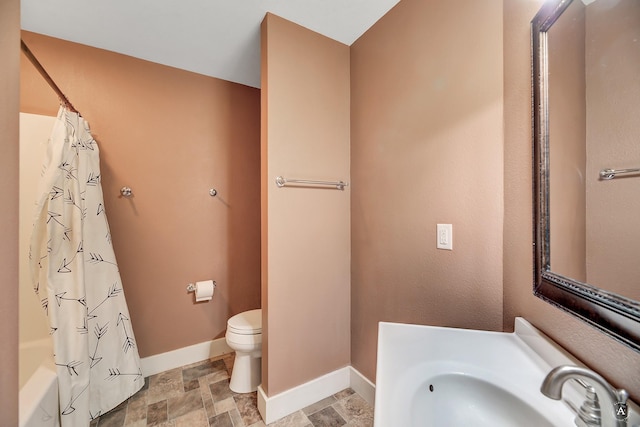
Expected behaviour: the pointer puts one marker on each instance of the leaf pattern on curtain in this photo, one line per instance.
(76, 277)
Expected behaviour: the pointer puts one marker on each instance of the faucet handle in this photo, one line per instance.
(623, 395)
(621, 408)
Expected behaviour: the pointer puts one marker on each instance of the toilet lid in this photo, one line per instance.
(248, 322)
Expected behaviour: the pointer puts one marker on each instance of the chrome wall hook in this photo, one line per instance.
(126, 192)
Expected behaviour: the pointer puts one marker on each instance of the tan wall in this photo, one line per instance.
(170, 135)
(616, 362)
(567, 150)
(305, 122)
(613, 91)
(426, 148)
(9, 107)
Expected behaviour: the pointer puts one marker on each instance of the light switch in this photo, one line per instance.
(444, 236)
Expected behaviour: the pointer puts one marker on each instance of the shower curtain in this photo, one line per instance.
(75, 275)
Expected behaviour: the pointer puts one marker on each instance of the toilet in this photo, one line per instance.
(244, 335)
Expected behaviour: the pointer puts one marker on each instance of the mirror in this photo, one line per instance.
(586, 96)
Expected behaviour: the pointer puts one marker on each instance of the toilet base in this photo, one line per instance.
(246, 375)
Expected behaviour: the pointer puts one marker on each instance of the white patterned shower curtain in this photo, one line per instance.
(75, 275)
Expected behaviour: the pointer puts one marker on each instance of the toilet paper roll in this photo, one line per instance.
(204, 290)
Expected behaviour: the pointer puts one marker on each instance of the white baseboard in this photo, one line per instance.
(184, 356)
(276, 407)
(361, 385)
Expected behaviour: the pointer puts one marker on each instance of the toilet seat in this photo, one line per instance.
(246, 323)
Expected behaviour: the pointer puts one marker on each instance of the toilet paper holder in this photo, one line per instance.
(191, 287)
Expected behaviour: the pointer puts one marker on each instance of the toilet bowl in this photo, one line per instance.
(244, 335)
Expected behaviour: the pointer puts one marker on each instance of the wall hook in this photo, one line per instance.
(126, 192)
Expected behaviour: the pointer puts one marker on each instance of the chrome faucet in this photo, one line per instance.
(613, 409)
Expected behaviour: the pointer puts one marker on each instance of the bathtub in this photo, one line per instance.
(38, 385)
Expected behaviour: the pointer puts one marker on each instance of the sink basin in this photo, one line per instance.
(457, 399)
(433, 376)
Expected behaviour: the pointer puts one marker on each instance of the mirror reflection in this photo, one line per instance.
(594, 125)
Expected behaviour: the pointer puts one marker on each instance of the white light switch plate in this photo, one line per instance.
(444, 236)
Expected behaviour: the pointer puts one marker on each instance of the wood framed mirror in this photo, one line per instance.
(586, 119)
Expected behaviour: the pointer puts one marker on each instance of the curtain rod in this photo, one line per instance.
(63, 99)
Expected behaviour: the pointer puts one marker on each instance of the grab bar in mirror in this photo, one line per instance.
(611, 173)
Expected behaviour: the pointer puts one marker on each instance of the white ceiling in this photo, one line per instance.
(218, 38)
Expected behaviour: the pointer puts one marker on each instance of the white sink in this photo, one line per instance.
(432, 376)
(466, 400)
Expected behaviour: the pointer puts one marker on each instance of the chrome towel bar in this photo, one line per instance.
(611, 173)
(281, 182)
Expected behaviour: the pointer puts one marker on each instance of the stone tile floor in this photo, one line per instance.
(198, 395)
